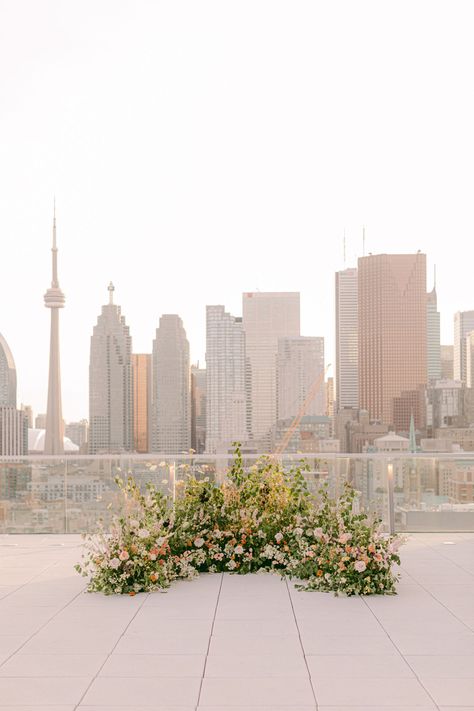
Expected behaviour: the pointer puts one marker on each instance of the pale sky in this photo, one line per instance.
(201, 149)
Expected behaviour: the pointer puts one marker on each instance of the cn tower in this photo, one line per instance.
(54, 299)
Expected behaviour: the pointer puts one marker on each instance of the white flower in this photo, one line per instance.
(134, 523)
(279, 537)
(345, 537)
(199, 542)
(114, 563)
(318, 532)
(123, 555)
(231, 564)
(298, 531)
(238, 550)
(143, 533)
(160, 541)
(360, 566)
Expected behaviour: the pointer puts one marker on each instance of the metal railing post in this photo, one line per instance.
(391, 499)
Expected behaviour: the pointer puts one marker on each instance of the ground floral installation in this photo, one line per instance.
(261, 519)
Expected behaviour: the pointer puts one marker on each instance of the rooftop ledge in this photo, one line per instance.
(238, 642)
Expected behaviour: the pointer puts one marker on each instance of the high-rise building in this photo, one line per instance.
(347, 374)
(7, 375)
(110, 382)
(54, 299)
(28, 410)
(40, 421)
(226, 380)
(13, 432)
(300, 365)
(198, 408)
(171, 402)
(463, 324)
(141, 378)
(78, 433)
(470, 360)
(392, 334)
(267, 316)
(447, 363)
(433, 335)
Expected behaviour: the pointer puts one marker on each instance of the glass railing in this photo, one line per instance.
(71, 494)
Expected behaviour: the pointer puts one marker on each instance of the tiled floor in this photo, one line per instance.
(228, 642)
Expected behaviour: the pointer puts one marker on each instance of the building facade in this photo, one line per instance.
(267, 317)
(447, 362)
(347, 344)
(198, 408)
(392, 332)
(110, 383)
(433, 337)
(13, 432)
(300, 375)
(171, 398)
(470, 360)
(7, 375)
(463, 324)
(227, 405)
(141, 395)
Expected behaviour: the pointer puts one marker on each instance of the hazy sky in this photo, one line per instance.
(201, 149)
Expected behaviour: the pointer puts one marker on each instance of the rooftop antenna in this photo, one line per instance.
(363, 241)
(344, 247)
(434, 287)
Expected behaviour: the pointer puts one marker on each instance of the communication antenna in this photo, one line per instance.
(344, 247)
(363, 241)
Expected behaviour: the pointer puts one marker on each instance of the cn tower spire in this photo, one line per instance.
(54, 299)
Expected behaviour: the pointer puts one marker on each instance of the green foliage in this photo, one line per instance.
(261, 518)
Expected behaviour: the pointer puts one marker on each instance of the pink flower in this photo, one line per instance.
(345, 538)
(318, 532)
(360, 566)
(199, 542)
(279, 537)
(114, 563)
(123, 555)
(238, 550)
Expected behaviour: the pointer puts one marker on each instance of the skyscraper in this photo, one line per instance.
(392, 335)
(447, 362)
(226, 391)
(198, 408)
(110, 382)
(300, 364)
(463, 324)
(171, 402)
(347, 377)
(267, 316)
(433, 335)
(470, 360)
(141, 378)
(54, 299)
(13, 432)
(7, 375)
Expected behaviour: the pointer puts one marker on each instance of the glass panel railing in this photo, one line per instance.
(71, 494)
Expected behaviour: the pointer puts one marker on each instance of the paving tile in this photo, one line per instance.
(442, 666)
(154, 665)
(372, 708)
(256, 666)
(277, 644)
(10, 643)
(383, 666)
(370, 692)
(253, 628)
(264, 708)
(37, 707)
(345, 644)
(160, 643)
(45, 643)
(432, 643)
(108, 691)
(350, 626)
(50, 690)
(251, 608)
(53, 665)
(271, 692)
(451, 692)
(153, 707)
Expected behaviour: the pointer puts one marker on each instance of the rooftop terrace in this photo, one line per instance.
(235, 642)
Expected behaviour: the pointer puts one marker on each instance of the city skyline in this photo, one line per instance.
(197, 179)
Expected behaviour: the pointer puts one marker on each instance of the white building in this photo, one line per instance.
(347, 378)
(300, 366)
(7, 375)
(13, 432)
(171, 388)
(470, 360)
(463, 324)
(110, 383)
(225, 380)
(267, 317)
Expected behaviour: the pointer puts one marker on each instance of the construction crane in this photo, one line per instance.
(308, 399)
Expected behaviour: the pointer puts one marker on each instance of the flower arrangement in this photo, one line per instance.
(260, 519)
